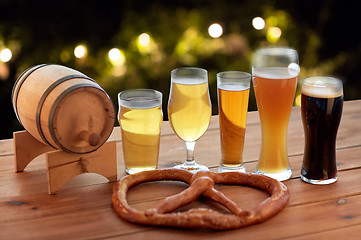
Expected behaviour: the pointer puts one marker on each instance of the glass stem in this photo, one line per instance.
(190, 156)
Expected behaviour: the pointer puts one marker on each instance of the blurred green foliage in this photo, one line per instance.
(323, 32)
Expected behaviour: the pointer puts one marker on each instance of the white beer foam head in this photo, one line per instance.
(140, 98)
(234, 80)
(322, 87)
(275, 72)
(189, 76)
(233, 86)
(189, 81)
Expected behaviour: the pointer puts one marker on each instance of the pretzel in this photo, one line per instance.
(201, 183)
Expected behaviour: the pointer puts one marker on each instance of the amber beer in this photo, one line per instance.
(275, 90)
(321, 109)
(233, 94)
(189, 108)
(140, 118)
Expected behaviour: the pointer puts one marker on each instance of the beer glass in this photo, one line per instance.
(233, 93)
(275, 72)
(189, 110)
(321, 109)
(140, 118)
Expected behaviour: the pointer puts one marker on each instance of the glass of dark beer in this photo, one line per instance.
(321, 109)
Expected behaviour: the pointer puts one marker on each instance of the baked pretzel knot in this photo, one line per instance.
(201, 183)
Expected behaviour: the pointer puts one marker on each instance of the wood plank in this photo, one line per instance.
(297, 221)
(99, 223)
(63, 166)
(350, 107)
(166, 157)
(83, 206)
(173, 151)
(102, 222)
(34, 178)
(26, 148)
(92, 198)
(301, 193)
(349, 232)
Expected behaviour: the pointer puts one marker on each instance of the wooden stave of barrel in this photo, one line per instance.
(63, 108)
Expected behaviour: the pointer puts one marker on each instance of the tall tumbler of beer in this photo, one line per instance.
(140, 118)
(275, 73)
(233, 93)
(321, 109)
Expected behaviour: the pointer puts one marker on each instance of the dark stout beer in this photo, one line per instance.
(321, 109)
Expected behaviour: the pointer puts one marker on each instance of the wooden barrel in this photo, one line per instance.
(63, 108)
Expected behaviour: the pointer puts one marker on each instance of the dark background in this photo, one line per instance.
(325, 33)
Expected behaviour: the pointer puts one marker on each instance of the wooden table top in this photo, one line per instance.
(82, 209)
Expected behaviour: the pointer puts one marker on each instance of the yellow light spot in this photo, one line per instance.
(116, 56)
(298, 100)
(144, 40)
(215, 30)
(5, 55)
(275, 32)
(80, 51)
(65, 56)
(258, 23)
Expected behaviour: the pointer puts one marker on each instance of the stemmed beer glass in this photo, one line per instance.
(275, 72)
(189, 110)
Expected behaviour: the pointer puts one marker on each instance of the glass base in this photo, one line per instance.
(223, 168)
(192, 167)
(319, 181)
(280, 176)
(137, 170)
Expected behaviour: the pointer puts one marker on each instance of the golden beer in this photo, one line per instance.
(140, 119)
(233, 105)
(275, 90)
(189, 109)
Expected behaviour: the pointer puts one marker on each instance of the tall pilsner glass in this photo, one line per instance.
(189, 110)
(275, 73)
(233, 93)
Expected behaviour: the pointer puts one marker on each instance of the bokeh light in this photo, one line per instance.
(294, 66)
(298, 100)
(258, 23)
(215, 30)
(65, 56)
(275, 32)
(4, 71)
(5, 55)
(116, 56)
(156, 36)
(80, 51)
(144, 40)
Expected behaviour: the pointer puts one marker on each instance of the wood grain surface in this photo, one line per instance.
(82, 208)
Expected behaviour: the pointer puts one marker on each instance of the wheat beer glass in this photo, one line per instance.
(189, 110)
(321, 110)
(140, 118)
(233, 93)
(275, 72)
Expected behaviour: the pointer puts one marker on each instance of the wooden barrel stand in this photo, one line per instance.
(62, 166)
